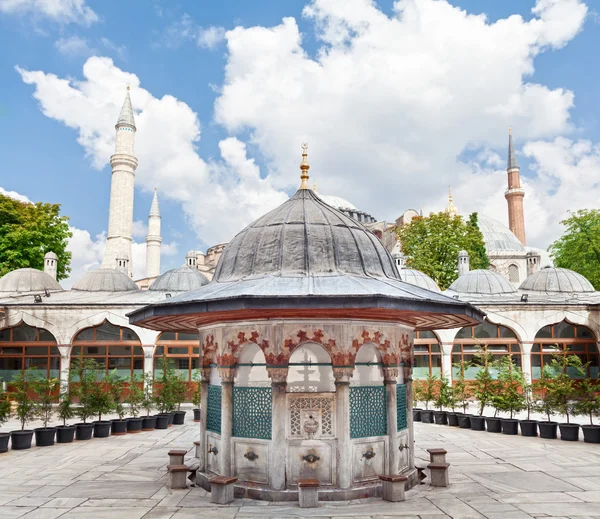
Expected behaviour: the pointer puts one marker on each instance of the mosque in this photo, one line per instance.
(531, 308)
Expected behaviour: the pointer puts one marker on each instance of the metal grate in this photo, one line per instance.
(401, 406)
(368, 411)
(252, 412)
(213, 409)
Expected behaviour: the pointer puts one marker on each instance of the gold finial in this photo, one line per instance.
(451, 209)
(510, 130)
(128, 87)
(304, 167)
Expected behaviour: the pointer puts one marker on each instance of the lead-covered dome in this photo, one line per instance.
(28, 280)
(481, 281)
(553, 279)
(105, 280)
(497, 237)
(179, 280)
(419, 279)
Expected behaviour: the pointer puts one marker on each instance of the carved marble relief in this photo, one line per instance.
(310, 413)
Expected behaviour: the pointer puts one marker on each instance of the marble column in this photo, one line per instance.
(65, 365)
(390, 379)
(342, 425)
(227, 376)
(148, 364)
(277, 450)
(447, 360)
(204, 377)
(526, 361)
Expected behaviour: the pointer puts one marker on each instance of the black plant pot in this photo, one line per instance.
(118, 427)
(569, 432)
(179, 417)
(21, 440)
(45, 437)
(548, 430)
(134, 425)
(478, 423)
(102, 429)
(65, 433)
(510, 426)
(452, 419)
(494, 425)
(171, 418)
(4, 437)
(464, 421)
(591, 434)
(148, 423)
(197, 415)
(162, 421)
(528, 427)
(416, 414)
(84, 431)
(426, 416)
(440, 417)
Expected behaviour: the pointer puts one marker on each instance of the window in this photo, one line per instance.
(183, 349)
(24, 347)
(428, 355)
(566, 339)
(513, 273)
(499, 340)
(113, 347)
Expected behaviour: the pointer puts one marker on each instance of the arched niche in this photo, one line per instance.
(368, 369)
(310, 370)
(251, 370)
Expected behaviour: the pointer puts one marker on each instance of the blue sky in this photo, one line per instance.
(405, 149)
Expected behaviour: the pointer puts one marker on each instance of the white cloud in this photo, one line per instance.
(119, 50)
(210, 37)
(139, 229)
(15, 195)
(73, 46)
(185, 29)
(60, 11)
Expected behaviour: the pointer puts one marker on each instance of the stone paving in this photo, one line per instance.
(491, 476)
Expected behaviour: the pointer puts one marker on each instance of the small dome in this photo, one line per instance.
(179, 280)
(28, 280)
(552, 279)
(337, 202)
(481, 281)
(51, 255)
(419, 279)
(193, 254)
(105, 280)
(497, 237)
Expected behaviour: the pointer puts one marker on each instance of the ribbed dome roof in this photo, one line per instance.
(105, 280)
(553, 279)
(497, 237)
(336, 202)
(419, 279)
(304, 237)
(28, 280)
(481, 281)
(179, 280)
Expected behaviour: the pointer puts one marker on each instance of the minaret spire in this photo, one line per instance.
(451, 209)
(153, 240)
(304, 167)
(514, 194)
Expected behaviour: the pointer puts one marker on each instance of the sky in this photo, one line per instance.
(396, 100)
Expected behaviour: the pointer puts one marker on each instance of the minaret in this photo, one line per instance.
(514, 194)
(120, 216)
(153, 240)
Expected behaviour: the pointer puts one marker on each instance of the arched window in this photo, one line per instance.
(513, 273)
(24, 347)
(499, 340)
(113, 347)
(567, 339)
(182, 348)
(428, 356)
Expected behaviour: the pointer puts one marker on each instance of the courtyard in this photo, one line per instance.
(491, 476)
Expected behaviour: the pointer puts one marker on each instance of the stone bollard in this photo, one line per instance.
(176, 456)
(197, 444)
(393, 487)
(177, 476)
(439, 474)
(221, 489)
(437, 455)
(308, 493)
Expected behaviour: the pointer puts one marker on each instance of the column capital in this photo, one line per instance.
(278, 375)
(390, 374)
(227, 375)
(343, 375)
(204, 374)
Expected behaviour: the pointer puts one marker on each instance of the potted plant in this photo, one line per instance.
(44, 389)
(509, 397)
(83, 377)
(461, 393)
(417, 396)
(548, 429)
(484, 387)
(135, 398)
(101, 404)
(442, 399)
(528, 426)
(163, 397)
(149, 422)
(116, 385)
(65, 433)
(197, 395)
(494, 423)
(178, 392)
(428, 395)
(4, 416)
(26, 410)
(588, 403)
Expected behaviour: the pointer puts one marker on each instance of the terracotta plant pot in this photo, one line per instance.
(84, 431)
(591, 433)
(21, 440)
(510, 426)
(478, 423)
(464, 421)
(162, 421)
(440, 417)
(426, 416)
(65, 433)
(45, 437)
(134, 425)
(548, 430)
(197, 415)
(4, 437)
(452, 419)
(494, 425)
(528, 427)
(148, 423)
(569, 432)
(118, 427)
(179, 417)
(102, 429)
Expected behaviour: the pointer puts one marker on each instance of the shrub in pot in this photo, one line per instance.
(528, 426)
(101, 404)
(44, 389)
(588, 404)
(135, 399)
(178, 390)
(197, 395)
(428, 395)
(484, 388)
(65, 433)
(4, 416)
(417, 396)
(26, 410)
(461, 394)
(509, 396)
(163, 391)
(442, 399)
(548, 429)
(83, 382)
(148, 422)
(116, 386)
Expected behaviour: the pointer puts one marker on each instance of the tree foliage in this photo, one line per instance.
(578, 248)
(28, 232)
(431, 244)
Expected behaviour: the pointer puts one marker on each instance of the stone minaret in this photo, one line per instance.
(153, 240)
(463, 262)
(120, 216)
(51, 264)
(514, 194)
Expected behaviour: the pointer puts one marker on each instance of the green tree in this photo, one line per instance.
(578, 248)
(431, 244)
(28, 232)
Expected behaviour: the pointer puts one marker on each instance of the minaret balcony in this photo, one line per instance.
(515, 191)
(122, 159)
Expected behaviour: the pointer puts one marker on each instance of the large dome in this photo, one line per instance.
(179, 280)
(337, 202)
(481, 281)
(419, 279)
(553, 279)
(105, 280)
(28, 280)
(497, 237)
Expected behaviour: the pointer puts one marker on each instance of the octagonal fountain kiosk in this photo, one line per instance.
(306, 335)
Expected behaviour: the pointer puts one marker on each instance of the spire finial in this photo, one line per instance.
(451, 209)
(510, 130)
(128, 87)
(315, 186)
(304, 167)
(512, 156)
